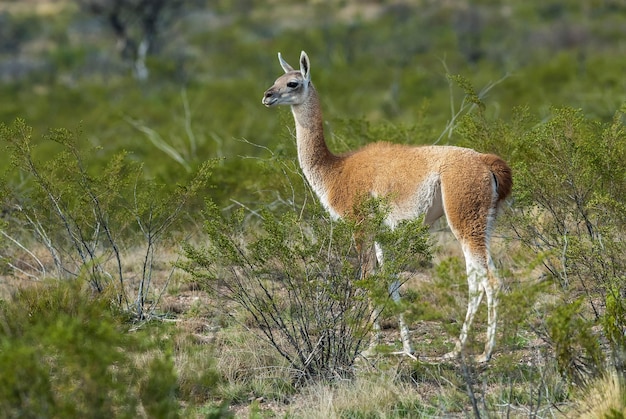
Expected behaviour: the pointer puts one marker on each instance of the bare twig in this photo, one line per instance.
(31, 254)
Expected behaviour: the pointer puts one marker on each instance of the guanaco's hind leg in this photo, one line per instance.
(471, 218)
(492, 289)
(481, 282)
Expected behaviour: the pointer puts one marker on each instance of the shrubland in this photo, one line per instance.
(163, 256)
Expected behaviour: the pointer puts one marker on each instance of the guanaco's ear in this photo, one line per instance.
(284, 64)
(305, 67)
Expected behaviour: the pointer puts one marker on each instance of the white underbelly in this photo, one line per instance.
(425, 201)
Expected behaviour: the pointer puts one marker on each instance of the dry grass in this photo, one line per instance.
(32, 264)
(373, 395)
(601, 399)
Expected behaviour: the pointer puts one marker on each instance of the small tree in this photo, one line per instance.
(137, 25)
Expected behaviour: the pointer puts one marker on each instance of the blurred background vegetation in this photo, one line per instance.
(75, 64)
(131, 113)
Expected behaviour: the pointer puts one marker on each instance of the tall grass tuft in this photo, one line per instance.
(602, 398)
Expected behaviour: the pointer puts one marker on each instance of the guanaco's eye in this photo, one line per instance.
(292, 84)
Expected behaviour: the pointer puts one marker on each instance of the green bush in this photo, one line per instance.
(66, 353)
(299, 280)
(87, 215)
(576, 349)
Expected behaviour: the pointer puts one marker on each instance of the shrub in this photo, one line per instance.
(64, 353)
(576, 349)
(86, 215)
(298, 279)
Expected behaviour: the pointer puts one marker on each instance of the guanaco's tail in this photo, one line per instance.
(501, 173)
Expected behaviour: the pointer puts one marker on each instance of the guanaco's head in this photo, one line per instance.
(292, 87)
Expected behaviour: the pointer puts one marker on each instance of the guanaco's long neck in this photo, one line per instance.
(316, 160)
